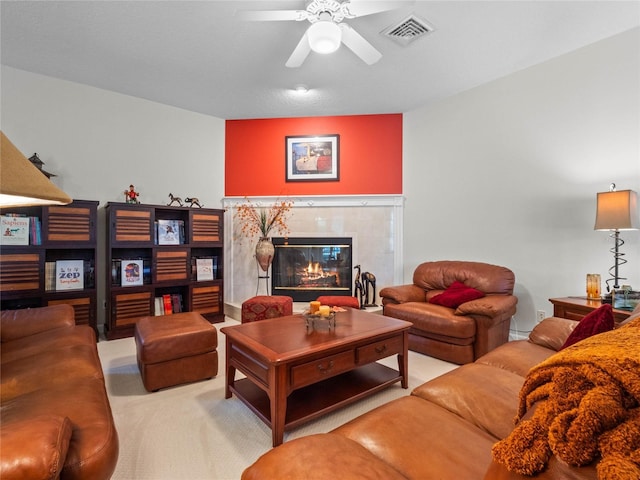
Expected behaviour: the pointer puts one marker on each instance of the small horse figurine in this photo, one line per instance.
(178, 200)
(192, 201)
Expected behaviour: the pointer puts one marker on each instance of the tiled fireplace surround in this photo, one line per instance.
(375, 223)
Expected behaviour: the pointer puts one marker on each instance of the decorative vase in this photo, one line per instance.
(264, 253)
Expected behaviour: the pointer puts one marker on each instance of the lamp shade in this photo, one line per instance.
(617, 211)
(21, 183)
(324, 36)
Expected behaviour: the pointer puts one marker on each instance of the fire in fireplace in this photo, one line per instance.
(305, 268)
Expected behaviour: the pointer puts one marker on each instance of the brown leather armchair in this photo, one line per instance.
(462, 334)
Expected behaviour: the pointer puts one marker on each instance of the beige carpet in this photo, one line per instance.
(191, 432)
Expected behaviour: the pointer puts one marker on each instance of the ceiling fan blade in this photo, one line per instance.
(300, 53)
(271, 15)
(360, 8)
(358, 45)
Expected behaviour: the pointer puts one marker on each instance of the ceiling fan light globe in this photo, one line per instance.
(324, 37)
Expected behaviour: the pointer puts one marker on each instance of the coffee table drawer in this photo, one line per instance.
(377, 350)
(317, 370)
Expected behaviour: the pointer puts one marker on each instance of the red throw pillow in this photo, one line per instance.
(598, 321)
(457, 294)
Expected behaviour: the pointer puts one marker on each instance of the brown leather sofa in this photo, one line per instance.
(56, 421)
(458, 335)
(445, 429)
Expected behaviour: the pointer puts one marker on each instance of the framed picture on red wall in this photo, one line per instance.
(312, 158)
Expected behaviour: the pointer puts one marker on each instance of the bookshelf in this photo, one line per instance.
(48, 256)
(162, 260)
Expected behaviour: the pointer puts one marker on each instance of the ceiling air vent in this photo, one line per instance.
(408, 30)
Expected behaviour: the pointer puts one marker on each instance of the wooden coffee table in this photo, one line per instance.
(295, 373)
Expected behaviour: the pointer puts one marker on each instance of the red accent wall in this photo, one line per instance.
(370, 159)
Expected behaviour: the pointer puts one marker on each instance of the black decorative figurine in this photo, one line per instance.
(369, 286)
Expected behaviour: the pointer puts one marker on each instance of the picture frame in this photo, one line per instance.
(205, 268)
(170, 232)
(132, 272)
(312, 158)
(14, 230)
(69, 275)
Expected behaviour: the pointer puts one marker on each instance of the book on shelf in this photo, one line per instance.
(131, 272)
(146, 271)
(35, 231)
(50, 276)
(206, 268)
(89, 274)
(176, 302)
(167, 304)
(14, 230)
(116, 271)
(166, 299)
(69, 275)
(170, 232)
(158, 304)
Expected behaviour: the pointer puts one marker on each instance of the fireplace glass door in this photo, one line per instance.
(305, 268)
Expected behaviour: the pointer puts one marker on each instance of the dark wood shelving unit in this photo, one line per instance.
(67, 232)
(168, 269)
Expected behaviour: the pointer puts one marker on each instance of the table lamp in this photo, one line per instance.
(617, 211)
(22, 183)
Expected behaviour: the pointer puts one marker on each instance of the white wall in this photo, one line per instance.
(99, 142)
(508, 172)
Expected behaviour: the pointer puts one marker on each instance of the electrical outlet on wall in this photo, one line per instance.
(541, 315)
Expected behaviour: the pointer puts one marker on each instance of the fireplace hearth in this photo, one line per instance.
(306, 267)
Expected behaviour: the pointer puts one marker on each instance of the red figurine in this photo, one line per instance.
(131, 196)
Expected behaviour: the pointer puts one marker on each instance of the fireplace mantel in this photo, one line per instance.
(302, 201)
(375, 222)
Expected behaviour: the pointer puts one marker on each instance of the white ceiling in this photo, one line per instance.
(198, 56)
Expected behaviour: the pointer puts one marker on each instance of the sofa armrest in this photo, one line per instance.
(491, 306)
(34, 447)
(318, 457)
(552, 332)
(403, 294)
(16, 324)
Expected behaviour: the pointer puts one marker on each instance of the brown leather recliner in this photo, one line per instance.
(459, 335)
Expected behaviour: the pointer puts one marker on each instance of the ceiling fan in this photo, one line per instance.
(327, 31)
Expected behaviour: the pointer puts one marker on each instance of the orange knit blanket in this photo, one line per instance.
(587, 401)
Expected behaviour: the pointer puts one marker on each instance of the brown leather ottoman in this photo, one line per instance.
(175, 349)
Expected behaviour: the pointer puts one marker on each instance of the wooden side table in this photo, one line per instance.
(574, 308)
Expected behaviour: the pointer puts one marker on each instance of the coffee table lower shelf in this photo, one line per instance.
(310, 402)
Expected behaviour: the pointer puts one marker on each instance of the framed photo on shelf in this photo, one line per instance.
(14, 230)
(312, 158)
(170, 232)
(69, 275)
(132, 273)
(205, 269)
